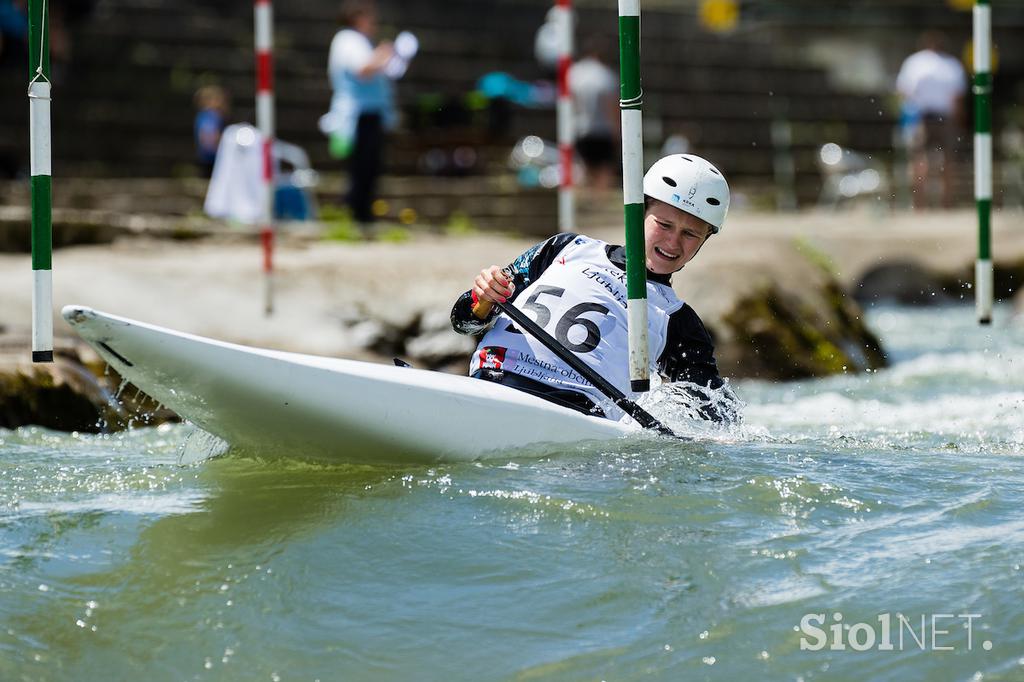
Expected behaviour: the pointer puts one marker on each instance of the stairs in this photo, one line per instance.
(123, 105)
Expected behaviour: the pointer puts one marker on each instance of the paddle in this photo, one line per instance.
(642, 416)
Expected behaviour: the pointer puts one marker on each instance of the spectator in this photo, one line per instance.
(932, 84)
(211, 111)
(595, 93)
(362, 106)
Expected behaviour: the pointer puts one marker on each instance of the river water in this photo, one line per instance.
(877, 511)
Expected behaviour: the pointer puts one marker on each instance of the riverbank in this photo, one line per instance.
(213, 287)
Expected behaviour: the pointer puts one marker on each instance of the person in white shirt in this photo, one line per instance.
(595, 93)
(362, 106)
(932, 85)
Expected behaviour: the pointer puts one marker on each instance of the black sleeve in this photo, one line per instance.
(689, 356)
(525, 269)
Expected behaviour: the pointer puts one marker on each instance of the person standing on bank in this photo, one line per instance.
(362, 106)
(211, 118)
(575, 286)
(595, 95)
(932, 85)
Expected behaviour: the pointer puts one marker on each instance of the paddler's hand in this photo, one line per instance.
(492, 285)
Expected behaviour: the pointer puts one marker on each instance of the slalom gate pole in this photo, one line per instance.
(983, 289)
(566, 134)
(264, 25)
(40, 184)
(630, 103)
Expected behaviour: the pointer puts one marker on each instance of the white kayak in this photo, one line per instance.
(288, 404)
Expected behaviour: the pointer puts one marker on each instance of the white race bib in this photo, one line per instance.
(581, 301)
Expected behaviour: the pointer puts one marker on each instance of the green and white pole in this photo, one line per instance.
(39, 139)
(630, 103)
(983, 157)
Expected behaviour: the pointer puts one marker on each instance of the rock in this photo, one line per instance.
(70, 394)
(902, 282)
(373, 334)
(436, 344)
(777, 311)
(61, 395)
(776, 334)
(381, 330)
(1007, 279)
(441, 348)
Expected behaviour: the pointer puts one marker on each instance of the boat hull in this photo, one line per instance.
(288, 404)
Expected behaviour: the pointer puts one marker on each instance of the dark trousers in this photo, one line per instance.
(364, 166)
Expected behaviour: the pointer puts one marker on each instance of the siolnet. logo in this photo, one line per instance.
(893, 632)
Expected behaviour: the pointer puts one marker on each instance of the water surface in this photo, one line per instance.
(896, 492)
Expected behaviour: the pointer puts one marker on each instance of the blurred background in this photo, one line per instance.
(794, 99)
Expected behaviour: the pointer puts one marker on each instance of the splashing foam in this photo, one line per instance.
(693, 410)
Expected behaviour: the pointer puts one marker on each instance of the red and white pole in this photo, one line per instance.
(566, 198)
(264, 24)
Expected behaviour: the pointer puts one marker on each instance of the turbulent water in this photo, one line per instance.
(877, 511)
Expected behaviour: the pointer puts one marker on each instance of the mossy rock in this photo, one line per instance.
(56, 396)
(69, 395)
(780, 336)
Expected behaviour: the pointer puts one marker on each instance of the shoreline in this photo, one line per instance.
(214, 288)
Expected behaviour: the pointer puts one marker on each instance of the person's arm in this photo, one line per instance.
(351, 51)
(525, 269)
(379, 58)
(689, 356)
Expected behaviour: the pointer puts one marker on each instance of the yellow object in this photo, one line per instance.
(380, 208)
(967, 57)
(407, 216)
(719, 16)
(962, 5)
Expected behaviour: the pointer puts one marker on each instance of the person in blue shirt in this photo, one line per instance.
(362, 104)
(211, 112)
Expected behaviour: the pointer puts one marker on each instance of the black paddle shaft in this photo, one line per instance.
(642, 416)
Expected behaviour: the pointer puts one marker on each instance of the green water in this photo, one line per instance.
(891, 492)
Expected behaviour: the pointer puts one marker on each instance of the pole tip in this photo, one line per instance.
(42, 356)
(640, 385)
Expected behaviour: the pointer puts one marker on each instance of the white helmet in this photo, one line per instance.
(691, 184)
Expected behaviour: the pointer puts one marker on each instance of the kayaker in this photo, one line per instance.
(575, 286)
